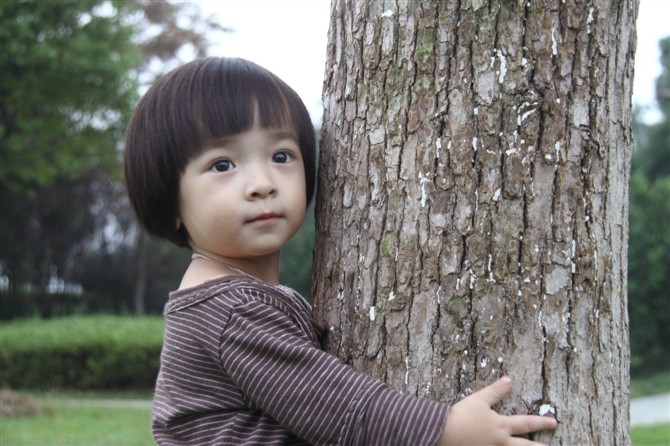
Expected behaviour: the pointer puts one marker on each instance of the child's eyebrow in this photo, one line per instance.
(277, 135)
(284, 134)
(218, 142)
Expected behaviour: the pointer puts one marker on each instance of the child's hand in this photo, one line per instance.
(471, 421)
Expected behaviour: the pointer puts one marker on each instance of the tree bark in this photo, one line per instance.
(473, 199)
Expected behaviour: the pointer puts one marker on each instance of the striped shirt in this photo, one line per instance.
(242, 364)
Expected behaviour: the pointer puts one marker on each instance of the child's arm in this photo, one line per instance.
(472, 421)
(266, 350)
(280, 370)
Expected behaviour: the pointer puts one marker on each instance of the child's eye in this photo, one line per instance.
(282, 157)
(222, 166)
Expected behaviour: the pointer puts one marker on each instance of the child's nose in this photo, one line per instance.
(261, 185)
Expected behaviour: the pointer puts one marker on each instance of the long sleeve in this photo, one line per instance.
(278, 367)
(241, 365)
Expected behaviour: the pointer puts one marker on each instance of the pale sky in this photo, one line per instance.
(289, 37)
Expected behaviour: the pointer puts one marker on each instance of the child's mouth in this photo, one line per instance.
(265, 218)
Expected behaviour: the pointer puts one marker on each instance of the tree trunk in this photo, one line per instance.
(473, 200)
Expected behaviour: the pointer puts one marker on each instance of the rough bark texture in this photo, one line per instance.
(472, 205)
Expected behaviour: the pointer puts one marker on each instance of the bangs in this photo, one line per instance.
(230, 101)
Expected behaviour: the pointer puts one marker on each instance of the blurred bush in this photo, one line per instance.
(83, 353)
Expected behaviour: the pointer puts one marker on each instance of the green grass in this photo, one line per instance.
(62, 423)
(655, 435)
(66, 424)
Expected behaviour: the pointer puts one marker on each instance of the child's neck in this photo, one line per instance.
(266, 274)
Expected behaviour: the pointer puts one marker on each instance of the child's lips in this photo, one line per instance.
(266, 217)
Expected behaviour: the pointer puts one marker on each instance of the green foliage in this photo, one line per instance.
(663, 81)
(69, 78)
(59, 221)
(649, 237)
(296, 259)
(67, 89)
(649, 273)
(39, 304)
(651, 158)
(102, 352)
(650, 385)
(652, 142)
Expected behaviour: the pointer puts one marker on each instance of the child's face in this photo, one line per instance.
(245, 197)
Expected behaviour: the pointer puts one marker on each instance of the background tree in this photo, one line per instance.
(652, 154)
(471, 217)
(70, 78)
(67, 88)
(649, 252)
(66, 92)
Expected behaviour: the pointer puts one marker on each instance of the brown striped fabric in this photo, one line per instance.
(242, 364)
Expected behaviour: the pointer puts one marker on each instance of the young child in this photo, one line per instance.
(220, 158)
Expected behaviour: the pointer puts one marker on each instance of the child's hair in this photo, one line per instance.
(190, 108)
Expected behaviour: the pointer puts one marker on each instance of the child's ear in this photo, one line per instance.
(177, 223)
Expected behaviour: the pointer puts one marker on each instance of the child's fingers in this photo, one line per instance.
(494, 393)
(525, 424)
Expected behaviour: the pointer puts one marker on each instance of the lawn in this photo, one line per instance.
(656, 435)
(62, 423)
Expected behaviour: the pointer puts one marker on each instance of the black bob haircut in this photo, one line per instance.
(188, 109)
